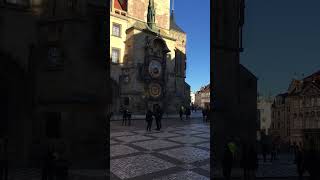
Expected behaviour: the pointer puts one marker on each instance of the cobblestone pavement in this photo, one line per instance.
(179, 151)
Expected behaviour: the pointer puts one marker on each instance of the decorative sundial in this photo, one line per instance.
(155, 90)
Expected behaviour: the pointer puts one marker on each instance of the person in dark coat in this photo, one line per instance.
(124, 116)
(244, 162)
(158, 117)
(299, 160)
(181, 113)
(312, 163)
(3, 159)
(48, 165)
(204, 115)
(227, 163)
(61, 164)
(129, 115)
(252, 162)
(149, 119)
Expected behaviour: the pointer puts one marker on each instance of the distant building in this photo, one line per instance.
(193, 96)
(202, 97)
(297, 110)
(264, 113)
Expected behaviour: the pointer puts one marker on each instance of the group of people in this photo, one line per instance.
(126, 117)
(205, 113)
(186, 111)
(157, 115)
(248, 160)
(55, 166)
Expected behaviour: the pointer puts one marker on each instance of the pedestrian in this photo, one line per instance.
(227, 163)
(252, 163)
(124, 116)
(129, 115)
(188, 113)
(244, 162)
(312, 162)
(204, 115)
(61, 164)
(3, 159)
(156, 114)
(160, 117)
(149, 119)
(181, 113)
(273, 152)
(48, 165)
(299, 160)
(264, 152)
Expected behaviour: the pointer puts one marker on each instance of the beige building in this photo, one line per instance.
(202, 97)
(148, 52)
(297, 110)
(54, 80)
(264, 113)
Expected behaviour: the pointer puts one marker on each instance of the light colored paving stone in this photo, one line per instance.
(155, 144)
(119, 150)
(188, 139)
(129, 139)
(184, 175)
(187, 154)
(130, 167)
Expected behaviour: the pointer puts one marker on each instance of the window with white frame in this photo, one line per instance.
(116, 30)
(115, 55)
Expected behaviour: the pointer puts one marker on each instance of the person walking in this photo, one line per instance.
(244, 162)
(3, 159)
(181, 113)
(149, 119)
(273, 152)
(227, 163)
(124, 117)
(129, 115)
(204, 115)
(188, 113)
(252, 163)
(48, 165)
(299, 160)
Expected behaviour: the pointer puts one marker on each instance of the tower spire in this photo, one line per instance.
(172, 6)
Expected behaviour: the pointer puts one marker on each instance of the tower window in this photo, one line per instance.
(116, 30)
(115, 55)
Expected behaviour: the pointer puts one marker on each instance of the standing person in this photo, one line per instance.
(160, 116)
(227, 163)
(273, 152)
(204, 115)
(156, 113)
(129, 115)
(124, 116)
(61, 164)
(181, 113)
(299, 160)
(264, 152)
(3, 159)
(149, 119)
(244, 162)
(48, 167)
(252, 162)
(187, 112)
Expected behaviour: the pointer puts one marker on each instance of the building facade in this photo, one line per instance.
(202, 97)
(233, 87)
(148, 52)
(264, 113)
(55, 75)
(297, 110)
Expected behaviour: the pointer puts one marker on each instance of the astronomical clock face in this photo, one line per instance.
(155, 69)
(155, 90)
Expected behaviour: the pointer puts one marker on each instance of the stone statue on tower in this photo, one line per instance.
(151, 16)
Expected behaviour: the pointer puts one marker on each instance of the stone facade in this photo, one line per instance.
(297, 110)
(151, 68)
(53, 65)
(202, 97)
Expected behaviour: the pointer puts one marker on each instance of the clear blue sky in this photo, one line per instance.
(281, 37)
(196, 23)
